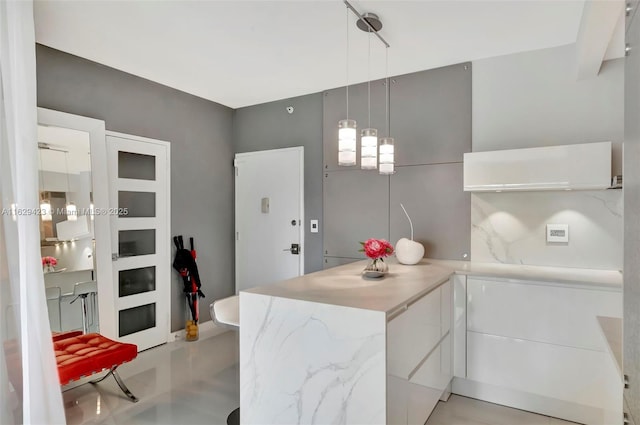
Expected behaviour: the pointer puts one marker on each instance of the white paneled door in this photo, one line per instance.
(139, 177)
(269, 213)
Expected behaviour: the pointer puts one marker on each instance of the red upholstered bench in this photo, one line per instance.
(81, 356)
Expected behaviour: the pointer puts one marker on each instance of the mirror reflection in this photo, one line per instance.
(66, 227)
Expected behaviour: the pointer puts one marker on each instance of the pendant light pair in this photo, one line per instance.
(45, 204)
(347, 128)
(71, 210)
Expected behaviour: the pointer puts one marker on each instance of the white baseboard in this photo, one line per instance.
(530, 402)
(209, 327)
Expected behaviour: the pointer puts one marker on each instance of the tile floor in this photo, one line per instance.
(197, 383)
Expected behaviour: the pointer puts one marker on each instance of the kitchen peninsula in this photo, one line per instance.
(311, 344)
(332, 347)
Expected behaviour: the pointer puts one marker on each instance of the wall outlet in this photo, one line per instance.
(314, 226)
(557, 233)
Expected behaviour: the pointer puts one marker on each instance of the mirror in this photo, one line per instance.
(65, 185)
(66, 223)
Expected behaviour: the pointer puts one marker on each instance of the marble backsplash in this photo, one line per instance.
(73, 255)
(510, 227)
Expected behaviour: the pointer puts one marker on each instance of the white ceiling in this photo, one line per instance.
(241, 53)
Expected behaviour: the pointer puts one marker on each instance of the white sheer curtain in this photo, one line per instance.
(30, 390)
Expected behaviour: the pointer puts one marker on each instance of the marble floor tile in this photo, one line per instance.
(181, 382)
(198, 383)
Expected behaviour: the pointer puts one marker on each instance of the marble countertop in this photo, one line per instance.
(584, 277)
(345, 286)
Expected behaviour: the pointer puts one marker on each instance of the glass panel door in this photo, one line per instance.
(139, 197)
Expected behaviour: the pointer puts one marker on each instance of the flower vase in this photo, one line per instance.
(376, 268)
(48, 268)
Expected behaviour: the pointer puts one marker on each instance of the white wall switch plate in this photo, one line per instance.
(558, 233)
(264, 205)
(314, 226)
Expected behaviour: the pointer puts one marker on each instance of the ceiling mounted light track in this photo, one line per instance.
(369, 23)
(368, 20)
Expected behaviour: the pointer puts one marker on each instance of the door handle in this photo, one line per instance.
(295, 249)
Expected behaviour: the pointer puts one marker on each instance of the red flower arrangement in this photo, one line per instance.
(49, 261)
(376, 249)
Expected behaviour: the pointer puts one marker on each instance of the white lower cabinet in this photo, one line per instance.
(419, 357)
(555, 371)
(537, 346)
(413, 334)
(430, 383)
(540, 312)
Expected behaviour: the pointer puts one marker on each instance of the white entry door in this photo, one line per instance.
(269, 213)
(139, 195)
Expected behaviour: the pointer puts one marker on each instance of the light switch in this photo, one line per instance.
(314, 226)
(557, 233)
(264, 205)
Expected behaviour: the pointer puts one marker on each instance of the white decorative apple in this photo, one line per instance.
(408, 251)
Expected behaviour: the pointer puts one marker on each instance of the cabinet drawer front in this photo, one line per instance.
(460, 326)
(564, 373)
(435, 372)
(446, 301)
(413, 334)
(539, 312)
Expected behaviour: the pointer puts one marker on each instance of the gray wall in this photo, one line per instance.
(534, 99)
(430, 119)
(200, 133)
(270, 126)
(631, 274)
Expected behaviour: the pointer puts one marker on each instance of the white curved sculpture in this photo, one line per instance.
(409, 251)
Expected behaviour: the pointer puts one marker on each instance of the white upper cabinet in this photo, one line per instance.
(585, 166)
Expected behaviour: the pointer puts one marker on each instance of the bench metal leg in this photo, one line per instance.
(120, 383)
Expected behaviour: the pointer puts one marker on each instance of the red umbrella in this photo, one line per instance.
(185, 263)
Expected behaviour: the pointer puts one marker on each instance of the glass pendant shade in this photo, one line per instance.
(369, 151)
(347, 142)
(386, 155)
(72, 212)
(45, 210)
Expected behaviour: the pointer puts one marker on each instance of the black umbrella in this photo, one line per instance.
(185, 263)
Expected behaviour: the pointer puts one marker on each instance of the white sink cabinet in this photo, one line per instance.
(537, 346)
